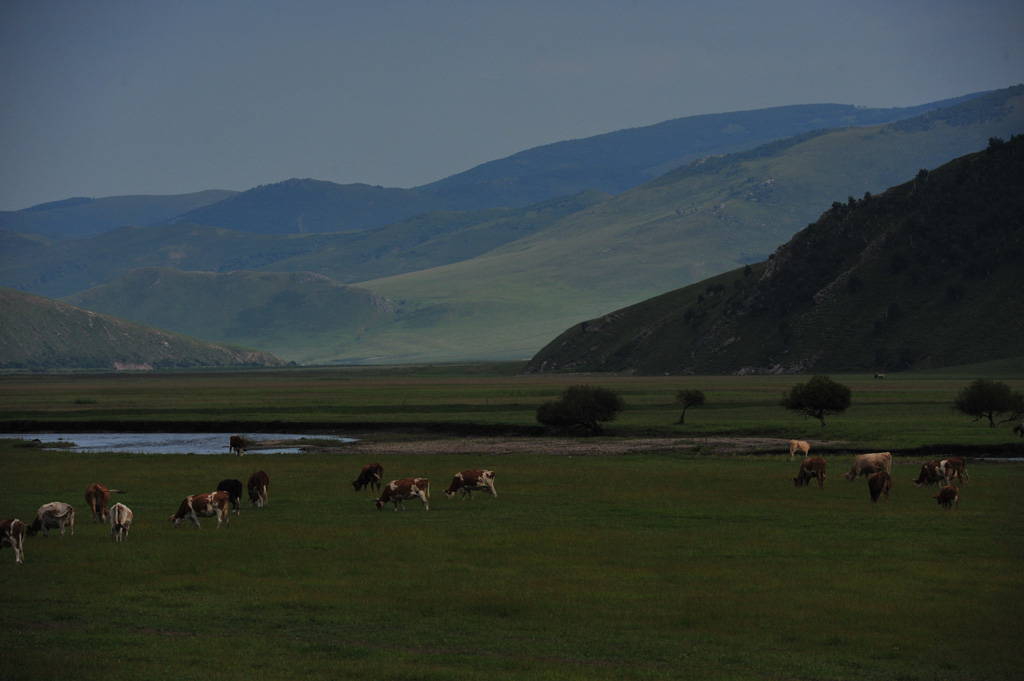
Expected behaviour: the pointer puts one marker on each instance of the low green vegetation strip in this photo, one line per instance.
(657, 566)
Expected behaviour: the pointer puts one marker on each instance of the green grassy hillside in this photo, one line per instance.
(297, 312)
(926, 274)
(40, 334)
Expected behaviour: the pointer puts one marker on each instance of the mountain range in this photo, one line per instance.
(458, 270)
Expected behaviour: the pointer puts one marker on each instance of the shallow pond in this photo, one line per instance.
(166, 443)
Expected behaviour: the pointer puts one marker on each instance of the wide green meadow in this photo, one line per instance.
(675, 564)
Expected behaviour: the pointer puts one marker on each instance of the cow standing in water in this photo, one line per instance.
(236, 445)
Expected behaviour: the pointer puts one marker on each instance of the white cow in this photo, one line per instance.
(120, 521)
(52, 516)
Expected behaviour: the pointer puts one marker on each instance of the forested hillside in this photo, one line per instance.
(926, 274)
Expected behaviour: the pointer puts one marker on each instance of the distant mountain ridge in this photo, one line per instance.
(610, 163)
(39, 334)
(926, 274)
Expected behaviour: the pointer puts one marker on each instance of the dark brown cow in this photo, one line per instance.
(53, 515)
(866, 464)
(236, 445)
(371, 475)
(203, 506)
(258, 484)
(408, 488)
(120, 521)
(879, 484)
(812, 467)
(12, 533)
(948, 496)
(234, 490)
(467, 481)
(98, 496)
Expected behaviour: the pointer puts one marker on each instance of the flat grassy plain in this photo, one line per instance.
(674, 564)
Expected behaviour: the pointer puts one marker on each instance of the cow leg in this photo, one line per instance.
(195, 520)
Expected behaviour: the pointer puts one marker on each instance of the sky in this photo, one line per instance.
(109, 98)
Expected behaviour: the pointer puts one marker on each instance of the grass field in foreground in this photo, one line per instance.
(633, 567)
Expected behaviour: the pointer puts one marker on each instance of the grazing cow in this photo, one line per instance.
(234, 490)
(879, 375)
(12, 533)
(944, 470)
(120, 521)
(879, 484)
(1019, 429)
(236, 445)
(812, 467)
(954, 467)
(929, 474)
(205, 506)
(258, 483)
(371, 475)
(865, 464)
(799, 446)
(409, 488)
(53, 515)
(467, 481)
(98, 496)
(948, 496)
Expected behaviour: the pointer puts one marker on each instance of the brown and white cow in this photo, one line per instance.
(258, 484)
(812, 467)
(236, 445)
(879, 484)
(120, 521)
(98, 496)
(866, 464)
(397, 491)
(371, 475)
(943, 470)
(799, 446)
(12, 533)
(948, 496)
(467, 481)
(203, 506)
(53, 515)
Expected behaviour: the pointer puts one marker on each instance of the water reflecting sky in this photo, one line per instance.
(162, 443)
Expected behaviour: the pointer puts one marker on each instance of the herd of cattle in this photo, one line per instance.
(59, 515)
(877, 468)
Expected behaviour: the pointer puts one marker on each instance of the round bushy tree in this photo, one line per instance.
(988, 399)
(583, 406)
(818, 398)
(689, 398)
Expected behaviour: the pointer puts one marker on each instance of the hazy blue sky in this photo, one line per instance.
(105, 98)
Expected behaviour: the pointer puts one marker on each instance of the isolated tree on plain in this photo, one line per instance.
(988, 399)
(689, 398)
(818, 398)
(583, 406)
